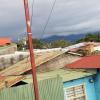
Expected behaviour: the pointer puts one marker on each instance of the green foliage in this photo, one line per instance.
(40, 44)
(37, 44)
(90, 37)
(80, 40)
(59, 43)
(21, 44)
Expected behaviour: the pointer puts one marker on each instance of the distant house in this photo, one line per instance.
(5, 41)
(6, 46)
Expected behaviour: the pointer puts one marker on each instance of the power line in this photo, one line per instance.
(48, 18)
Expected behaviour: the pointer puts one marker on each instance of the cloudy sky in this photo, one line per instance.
(68, 17)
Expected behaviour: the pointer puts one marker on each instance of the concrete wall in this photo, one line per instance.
(10, 59)
(8, 49)
(58, 62)
(90, 90)
(97, 85)
(97, 48)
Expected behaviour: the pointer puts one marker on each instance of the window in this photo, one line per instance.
(75, 93)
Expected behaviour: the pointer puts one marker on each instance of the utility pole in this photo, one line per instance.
(32, 58)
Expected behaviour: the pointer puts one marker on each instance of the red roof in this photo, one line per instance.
(4, 41)
(86, 62)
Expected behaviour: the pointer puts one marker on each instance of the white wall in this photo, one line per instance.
(97, 48)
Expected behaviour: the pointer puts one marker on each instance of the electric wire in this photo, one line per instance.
(48, 19)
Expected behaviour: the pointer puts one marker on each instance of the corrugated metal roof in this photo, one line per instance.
(24, 65)
(76, 47)
(9, 74)
(86, 62)
(51, 89)
(66, 74)
(8, 81)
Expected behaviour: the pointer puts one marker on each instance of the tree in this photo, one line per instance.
(90, 37)
(60, 43)
(37, 44)
(22, 43)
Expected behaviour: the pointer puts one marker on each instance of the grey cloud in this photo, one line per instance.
(68, 17)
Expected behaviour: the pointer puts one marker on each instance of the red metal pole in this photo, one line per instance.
(32, 58)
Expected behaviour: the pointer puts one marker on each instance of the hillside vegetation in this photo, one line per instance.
(90, 37)
(39, 44)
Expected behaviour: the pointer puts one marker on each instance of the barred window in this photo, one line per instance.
(75, 93)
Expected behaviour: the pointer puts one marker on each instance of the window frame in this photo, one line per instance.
(85, 93)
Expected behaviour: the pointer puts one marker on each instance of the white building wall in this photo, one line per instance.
(97, 48)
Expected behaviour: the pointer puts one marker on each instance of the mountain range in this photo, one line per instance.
(71, 38)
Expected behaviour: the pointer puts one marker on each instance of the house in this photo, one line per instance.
(6, 46)
(44, 61)
(76, 84)
(5, 41)
(59, 61)
(90, 62)
(77, 81)
(22, 67)
(49, 89)
(50, 57)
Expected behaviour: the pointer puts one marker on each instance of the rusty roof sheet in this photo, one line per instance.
(10, 74)
(8, 81)
(24, 65)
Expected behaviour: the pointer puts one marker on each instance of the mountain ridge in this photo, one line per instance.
(71, 38)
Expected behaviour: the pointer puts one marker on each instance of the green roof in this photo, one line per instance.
(51, 89)
(66, 74)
